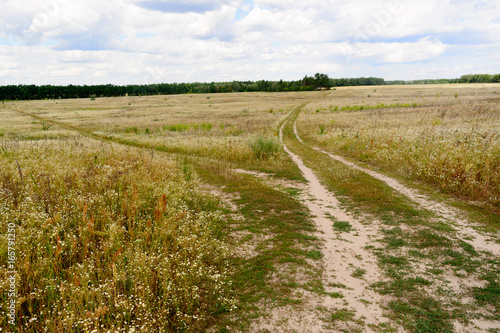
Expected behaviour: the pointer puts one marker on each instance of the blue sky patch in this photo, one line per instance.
(5, 41)
(144, 35)
(50, 42)
(242, 13)
(176, 7)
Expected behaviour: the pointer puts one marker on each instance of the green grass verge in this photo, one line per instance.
(281, 233)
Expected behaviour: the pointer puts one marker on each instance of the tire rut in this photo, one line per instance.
(344, 254)
(480, 241)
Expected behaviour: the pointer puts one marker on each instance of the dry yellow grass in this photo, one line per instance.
(118, 239)
(235, 112)
(101, 247)
(215, 126)
(443, 135)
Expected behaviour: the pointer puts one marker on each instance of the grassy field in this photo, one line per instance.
(185, 213)
(445, 136)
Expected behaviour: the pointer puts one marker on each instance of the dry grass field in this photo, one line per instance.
(189, 213)
(445, 136)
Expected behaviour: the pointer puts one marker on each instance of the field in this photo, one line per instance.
(358, 209)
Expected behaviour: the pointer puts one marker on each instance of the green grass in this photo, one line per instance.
(401, 286)
(316, 286)
(358, 273)
(176, 127)
(342, 320)
(489, 221)
(427, 238)
(342, 315)
(185, 127)
(395, 237)
(392, 260)
(134, 130)
(490, 294)
(422, 315)
(264, 147)
(315, 255)
(45, 127)
(342, 226)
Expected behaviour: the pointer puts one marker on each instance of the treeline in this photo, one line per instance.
(470, 78)
(308, 83)
(480, 78)
(426, 81)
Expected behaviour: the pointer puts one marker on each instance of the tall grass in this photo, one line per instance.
(110, 241)
(456, 148)
(231, 150)
(264, 147)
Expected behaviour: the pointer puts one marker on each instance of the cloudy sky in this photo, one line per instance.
(150, 41)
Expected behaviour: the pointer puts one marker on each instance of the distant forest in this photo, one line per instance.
(308, 83)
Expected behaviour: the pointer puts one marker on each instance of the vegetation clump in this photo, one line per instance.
(264, 147)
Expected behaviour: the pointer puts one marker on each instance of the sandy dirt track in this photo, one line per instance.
(344, 253)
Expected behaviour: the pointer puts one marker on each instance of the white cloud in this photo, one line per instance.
(213, 24)
(135, 41)
(422, 50)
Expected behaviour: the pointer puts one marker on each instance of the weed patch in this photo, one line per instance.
(490, 294)
(422, 315)
(342, 226)
(264, 147)
(358, 273)
(109, 242)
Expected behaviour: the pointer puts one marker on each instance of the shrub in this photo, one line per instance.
(132, 130)
(206, 126)
(176, 127)
(264, 147)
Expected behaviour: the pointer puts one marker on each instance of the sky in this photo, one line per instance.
(151, 41)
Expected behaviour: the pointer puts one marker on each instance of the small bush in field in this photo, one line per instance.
(132, 130)
(264, 147)
(176, 127)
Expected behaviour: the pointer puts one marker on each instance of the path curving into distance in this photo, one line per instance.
(343, 253)
(479, 241)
